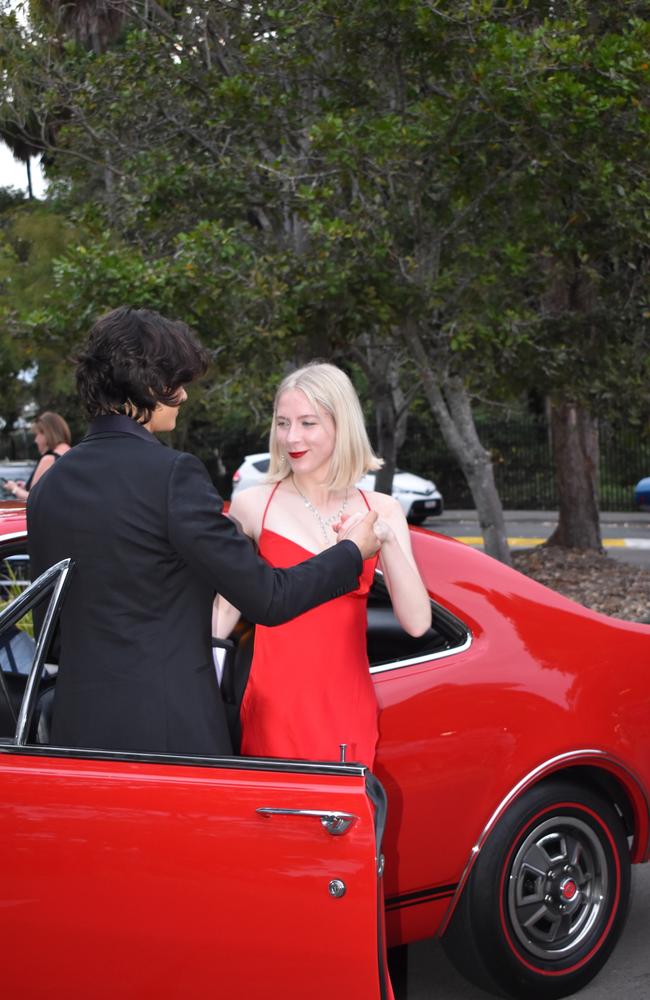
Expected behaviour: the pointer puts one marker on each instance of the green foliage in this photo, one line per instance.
(294, 179)
(13, 590)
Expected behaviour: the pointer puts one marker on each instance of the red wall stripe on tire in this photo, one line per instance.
(588, 956)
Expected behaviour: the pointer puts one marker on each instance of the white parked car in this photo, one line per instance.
(420, 498)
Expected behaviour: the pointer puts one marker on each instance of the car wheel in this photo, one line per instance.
(547, 898)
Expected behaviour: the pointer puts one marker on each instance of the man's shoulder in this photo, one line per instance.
(134, 446)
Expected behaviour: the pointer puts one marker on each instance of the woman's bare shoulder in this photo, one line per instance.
(385, 505)
(251, 500)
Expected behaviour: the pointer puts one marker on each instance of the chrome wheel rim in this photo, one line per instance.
(557, 888)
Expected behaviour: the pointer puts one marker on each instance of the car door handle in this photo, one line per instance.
(336, 823)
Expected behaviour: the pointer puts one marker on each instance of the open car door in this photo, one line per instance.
(135, 875)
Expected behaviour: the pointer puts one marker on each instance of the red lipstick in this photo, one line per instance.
(297, 454)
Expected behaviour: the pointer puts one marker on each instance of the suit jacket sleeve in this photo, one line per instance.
(215, 548)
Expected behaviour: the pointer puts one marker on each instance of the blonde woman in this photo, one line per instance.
(309, 688)
(52, 438)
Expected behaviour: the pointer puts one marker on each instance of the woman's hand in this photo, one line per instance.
(359, 528)
(16, 488)
(383, 531)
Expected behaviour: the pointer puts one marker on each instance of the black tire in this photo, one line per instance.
(547, 898)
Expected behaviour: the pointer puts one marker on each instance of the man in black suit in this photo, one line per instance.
(144, 527)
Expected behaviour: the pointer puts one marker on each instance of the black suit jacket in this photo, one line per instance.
(143, 524)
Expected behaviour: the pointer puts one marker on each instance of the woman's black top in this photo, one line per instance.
(54, 454)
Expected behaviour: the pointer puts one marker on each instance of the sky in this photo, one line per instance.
(14, 174)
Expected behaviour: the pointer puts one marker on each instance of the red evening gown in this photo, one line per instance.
(309, 688)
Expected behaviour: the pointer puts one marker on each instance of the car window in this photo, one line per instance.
(389, 646)
(19, 651)
(16, 658)
(262, 465)
(16, 651)
(14, 575)
(16, 643)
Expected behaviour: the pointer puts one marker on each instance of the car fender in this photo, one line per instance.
(557, 765)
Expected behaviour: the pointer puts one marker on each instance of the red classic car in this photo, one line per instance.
(515, 757)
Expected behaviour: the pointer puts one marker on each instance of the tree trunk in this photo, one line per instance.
(382, 369)
(30, 190)
(386, 442)
(574, 434)
(391, 411)
(452, 408)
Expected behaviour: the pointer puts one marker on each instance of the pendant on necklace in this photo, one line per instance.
(325, 522)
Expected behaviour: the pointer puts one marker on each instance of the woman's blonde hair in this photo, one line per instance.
(53, 428)
(330, 388)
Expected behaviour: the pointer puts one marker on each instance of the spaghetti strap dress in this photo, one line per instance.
(309, 688)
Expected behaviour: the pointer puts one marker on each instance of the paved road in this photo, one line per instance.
(625, 535)
(626, 975)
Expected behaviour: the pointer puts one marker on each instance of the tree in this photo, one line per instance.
(573, 93)
(431, 186)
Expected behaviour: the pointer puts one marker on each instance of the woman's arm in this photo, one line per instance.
(224, 614)
(19, 491)
(224, 617)
(408, 594)
(45, 463)
(16, 488)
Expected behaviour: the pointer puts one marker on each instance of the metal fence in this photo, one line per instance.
(523, 464)
(17, 446)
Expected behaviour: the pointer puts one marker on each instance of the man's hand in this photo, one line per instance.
(359, 528)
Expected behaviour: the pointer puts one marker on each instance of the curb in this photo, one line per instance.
(525, 543)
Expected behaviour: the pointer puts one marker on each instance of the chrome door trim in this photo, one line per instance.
(17, 608)
(409, 661)
(58, 578)
(53, 578)
(383, 668)
(269, 764)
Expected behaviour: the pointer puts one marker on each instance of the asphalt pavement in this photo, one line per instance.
(626, 534)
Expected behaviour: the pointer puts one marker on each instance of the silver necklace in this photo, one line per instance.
(325, 522)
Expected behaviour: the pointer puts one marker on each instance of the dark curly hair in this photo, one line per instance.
(135, 359)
